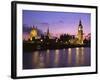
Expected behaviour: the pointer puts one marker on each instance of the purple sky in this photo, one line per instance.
(58, 22)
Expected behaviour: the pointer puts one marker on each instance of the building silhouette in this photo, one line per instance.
(35, 33)
(48, 33)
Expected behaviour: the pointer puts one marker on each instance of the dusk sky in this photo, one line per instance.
(57, 22)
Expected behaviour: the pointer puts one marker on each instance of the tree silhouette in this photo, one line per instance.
(65, 37)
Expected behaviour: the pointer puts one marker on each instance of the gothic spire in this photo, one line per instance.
(80, 23)
(47, 31)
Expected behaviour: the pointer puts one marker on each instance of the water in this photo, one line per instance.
(71, 57)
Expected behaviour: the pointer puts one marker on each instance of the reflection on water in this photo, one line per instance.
(71, 57)
(56, 59)
(80, 56)
(48, 57)
(35, 58)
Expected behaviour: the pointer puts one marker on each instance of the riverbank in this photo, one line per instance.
(29, 47)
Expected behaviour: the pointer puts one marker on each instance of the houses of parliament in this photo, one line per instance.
(78, 39)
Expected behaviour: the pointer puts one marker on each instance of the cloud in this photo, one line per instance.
(45, 24)
(61, 21)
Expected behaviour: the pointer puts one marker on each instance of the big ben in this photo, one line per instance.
(80, 33)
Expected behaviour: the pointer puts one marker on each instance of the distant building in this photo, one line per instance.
(88, 36)
(80, 33)
(48, 33)
(33, 33)
(36, 34)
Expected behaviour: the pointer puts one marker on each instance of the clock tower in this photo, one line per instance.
(80, 33)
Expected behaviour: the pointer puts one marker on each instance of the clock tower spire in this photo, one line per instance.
(80, 33)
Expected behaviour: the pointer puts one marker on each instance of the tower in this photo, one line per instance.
(80, 33)
(33, 33)
(48, 33)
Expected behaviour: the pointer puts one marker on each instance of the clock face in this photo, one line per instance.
(79, 28)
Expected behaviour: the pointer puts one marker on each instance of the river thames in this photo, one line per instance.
(70, 57)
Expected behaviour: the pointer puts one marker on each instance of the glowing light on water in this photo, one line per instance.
(56, 60)
(48, 56)
(69, 55)
(82, 58)
(48, 51)
(57, 51)
(79, 56)
(35, 57)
